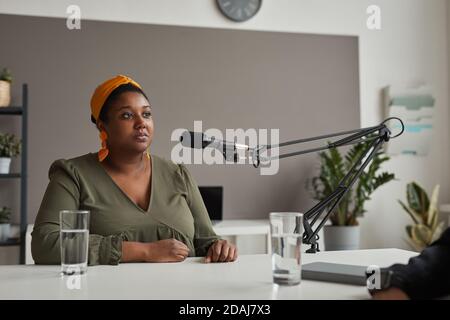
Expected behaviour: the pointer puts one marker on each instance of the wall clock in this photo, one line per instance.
(239, 10)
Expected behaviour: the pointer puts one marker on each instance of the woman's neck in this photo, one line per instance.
(125, 163)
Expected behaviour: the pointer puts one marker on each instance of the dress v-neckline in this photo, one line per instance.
(123, 192)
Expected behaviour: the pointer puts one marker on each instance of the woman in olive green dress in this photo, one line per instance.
(142, 208)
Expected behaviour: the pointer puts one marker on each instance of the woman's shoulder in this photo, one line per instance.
(73, 165)
(171, 170)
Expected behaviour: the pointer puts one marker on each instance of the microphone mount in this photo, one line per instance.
(376, 136)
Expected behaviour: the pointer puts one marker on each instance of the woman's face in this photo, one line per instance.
(129, 123)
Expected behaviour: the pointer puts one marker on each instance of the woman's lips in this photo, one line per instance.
(141, 138)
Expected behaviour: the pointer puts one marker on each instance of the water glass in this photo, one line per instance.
(286, 229)
(74, 241)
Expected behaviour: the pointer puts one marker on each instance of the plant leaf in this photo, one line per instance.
(415, 246)
(437, 232)
(412, 214)
(421, 234)
(417, 199)
(409, 231)
(433, 209)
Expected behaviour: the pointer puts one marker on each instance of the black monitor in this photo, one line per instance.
(213, 199)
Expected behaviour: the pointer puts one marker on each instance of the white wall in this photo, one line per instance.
(411, 47)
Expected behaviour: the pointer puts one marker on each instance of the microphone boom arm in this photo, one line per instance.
(378, 135)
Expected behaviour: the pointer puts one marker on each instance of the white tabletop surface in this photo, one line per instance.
(242, 227)
(249, 277)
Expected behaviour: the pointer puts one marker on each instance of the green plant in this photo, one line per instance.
(9, 145)
(5, 214)
(6, 75)
(424, 212)
(334, 167)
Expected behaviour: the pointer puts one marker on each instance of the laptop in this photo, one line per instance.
(213, 199)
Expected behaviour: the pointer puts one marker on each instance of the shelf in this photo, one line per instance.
(10, 175)
(11, 110)
(22, 112)
(10, 242)
(22, 175)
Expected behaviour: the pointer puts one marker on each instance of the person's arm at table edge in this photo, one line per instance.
(424, 277)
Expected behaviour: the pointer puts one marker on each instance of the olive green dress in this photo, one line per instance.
(176, 210)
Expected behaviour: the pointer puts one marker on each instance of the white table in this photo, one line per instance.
(249, 277)
(250, 236)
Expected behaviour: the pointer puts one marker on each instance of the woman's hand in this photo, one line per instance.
(221, 251)
(168, 250)
(390, 294)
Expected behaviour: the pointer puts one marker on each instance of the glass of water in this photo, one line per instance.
(74, 240)
(286, 229)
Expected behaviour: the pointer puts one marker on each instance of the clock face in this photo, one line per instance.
(239, 10)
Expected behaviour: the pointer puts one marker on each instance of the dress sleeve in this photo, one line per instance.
(204, 233)
(63, 193)
(426, 276)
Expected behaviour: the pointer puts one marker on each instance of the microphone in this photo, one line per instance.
(199, 140)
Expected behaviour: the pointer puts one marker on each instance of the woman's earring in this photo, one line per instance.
(103, 152)
(147, 154)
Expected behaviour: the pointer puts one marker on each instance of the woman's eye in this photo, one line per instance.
(147, 114)
(127, 115)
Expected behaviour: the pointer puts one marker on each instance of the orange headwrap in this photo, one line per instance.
(98, 100)
(104, 90)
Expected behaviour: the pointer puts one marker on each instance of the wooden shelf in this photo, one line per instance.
(9, 175)
(11, 110)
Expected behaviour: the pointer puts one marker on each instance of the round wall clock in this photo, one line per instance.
(239, 10)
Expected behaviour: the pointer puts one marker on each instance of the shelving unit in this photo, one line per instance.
(23, 112)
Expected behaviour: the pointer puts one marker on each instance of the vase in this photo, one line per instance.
(5, 93)
(4, 231)
(5, 165)
(341, 238)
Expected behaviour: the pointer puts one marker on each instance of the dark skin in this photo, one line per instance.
(130, 128)
(390, 294)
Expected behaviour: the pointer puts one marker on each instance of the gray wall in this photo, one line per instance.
(302, 84)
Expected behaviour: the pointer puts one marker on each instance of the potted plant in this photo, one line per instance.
(5, 87)
(9, 147)
(5, 214)
(343, 233)
(424, 213)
